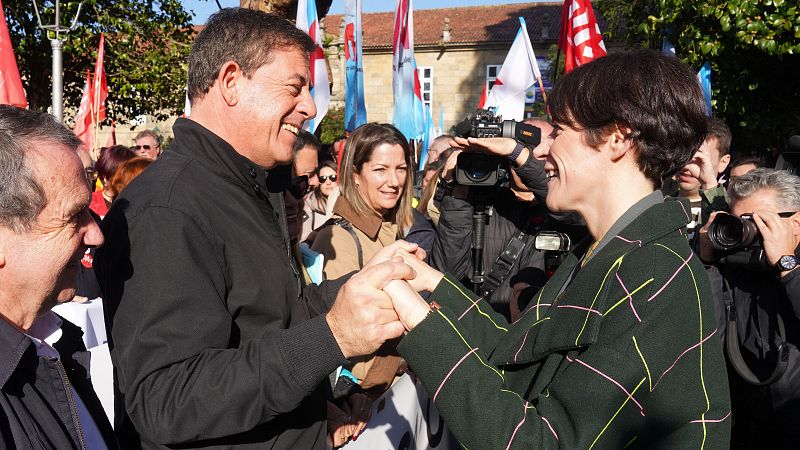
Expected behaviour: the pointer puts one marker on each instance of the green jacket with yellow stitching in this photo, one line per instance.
(622, 358)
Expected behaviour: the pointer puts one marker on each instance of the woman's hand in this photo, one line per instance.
(359, 407)
(340, 426)
(410, 307)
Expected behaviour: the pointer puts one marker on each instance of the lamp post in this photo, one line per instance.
(56, 43)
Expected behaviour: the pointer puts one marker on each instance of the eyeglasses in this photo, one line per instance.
(91, 174)
(141, 147)
(324, 178)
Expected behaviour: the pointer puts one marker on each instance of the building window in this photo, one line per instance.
(491, 76)
(426, 84)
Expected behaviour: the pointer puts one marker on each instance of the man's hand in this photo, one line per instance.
(498, 146)
(411, 308)
(703, 170)
(777, 235)
(362, 317)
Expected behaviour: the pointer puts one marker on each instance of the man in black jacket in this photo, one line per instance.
(761, 319)
(47, 400)
(214, 342)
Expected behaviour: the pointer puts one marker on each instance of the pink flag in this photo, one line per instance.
(11, 92)
(100, 88)
(83, 119)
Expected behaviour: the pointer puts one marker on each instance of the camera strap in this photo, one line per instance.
(504, 263)
(735, 354)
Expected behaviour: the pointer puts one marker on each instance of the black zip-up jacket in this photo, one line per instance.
(765, 416)
(36, 411)
(214, 344)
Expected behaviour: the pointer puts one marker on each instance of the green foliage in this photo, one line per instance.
(146, 49)
(753, 47)
(332, 126)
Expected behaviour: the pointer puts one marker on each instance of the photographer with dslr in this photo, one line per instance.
(503, 179)
(756, 250)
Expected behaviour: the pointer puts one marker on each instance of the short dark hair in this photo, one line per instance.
(243, 35)
(719, 130)
(22, 197)
(148, 133)
(304, 138)
(748, 158)
(655, 95)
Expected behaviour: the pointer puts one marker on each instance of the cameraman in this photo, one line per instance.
(519, 207)
(758, 303)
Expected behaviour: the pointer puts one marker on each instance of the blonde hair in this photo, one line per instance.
(357, 152)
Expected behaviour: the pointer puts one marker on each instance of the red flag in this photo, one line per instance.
(11, 92)
(580, 37)
(482, 101)
(83, 119)
(100, 88)
(112, 138)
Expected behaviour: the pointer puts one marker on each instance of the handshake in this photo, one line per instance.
(381, 301)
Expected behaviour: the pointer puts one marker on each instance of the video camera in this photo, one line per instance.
(478, 169)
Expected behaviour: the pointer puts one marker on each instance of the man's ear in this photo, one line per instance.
(4, 244)
(228, 82)
(618, 142)
(723, 163)
(796, 227)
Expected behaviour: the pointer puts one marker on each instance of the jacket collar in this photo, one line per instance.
(218, 156)
(14, 343)
(369, 224)
(571, 319)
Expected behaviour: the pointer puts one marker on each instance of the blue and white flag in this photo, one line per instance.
(427, 137)
(355, 111)
(320, 85)
(704, 77)
(409, 114)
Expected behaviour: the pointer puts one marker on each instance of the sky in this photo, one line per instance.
(203, 8)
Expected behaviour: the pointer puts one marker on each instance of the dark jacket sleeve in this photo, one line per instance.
(451, 248)
(172, 333)
(791, 283)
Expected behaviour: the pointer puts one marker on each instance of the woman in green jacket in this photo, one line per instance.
(616, 351)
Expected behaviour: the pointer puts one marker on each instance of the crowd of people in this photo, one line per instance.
(260, 291)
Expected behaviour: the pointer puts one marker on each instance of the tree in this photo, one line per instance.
(285, 8)
(147, 46)
(753, 47)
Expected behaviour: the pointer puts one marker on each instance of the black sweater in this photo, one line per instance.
(213, 341)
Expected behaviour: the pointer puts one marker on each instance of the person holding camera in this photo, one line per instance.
(761, 303)
(517, 212)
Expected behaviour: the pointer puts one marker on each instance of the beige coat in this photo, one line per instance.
(376, 373)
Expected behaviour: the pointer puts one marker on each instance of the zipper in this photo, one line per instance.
(71, 400)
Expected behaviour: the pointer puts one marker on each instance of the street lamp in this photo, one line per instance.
(56, 44)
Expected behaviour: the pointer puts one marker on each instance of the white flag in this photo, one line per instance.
(518, 73)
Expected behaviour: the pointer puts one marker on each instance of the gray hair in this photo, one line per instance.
(148, 133)
(22, 198)
(784, 183)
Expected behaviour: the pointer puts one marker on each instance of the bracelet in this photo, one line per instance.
(516, 152)
(434, 307)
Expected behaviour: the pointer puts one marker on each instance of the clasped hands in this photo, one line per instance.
(381, 301)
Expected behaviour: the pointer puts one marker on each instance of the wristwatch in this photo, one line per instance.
(786, 262)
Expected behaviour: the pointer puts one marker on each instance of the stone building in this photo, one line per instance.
(458, 52)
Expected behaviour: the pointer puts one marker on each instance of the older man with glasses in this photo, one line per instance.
(148, 144)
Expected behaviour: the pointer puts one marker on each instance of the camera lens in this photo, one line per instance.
(730, 232)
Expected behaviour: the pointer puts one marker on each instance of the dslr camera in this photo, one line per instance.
(739, 240)
(481, 170)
